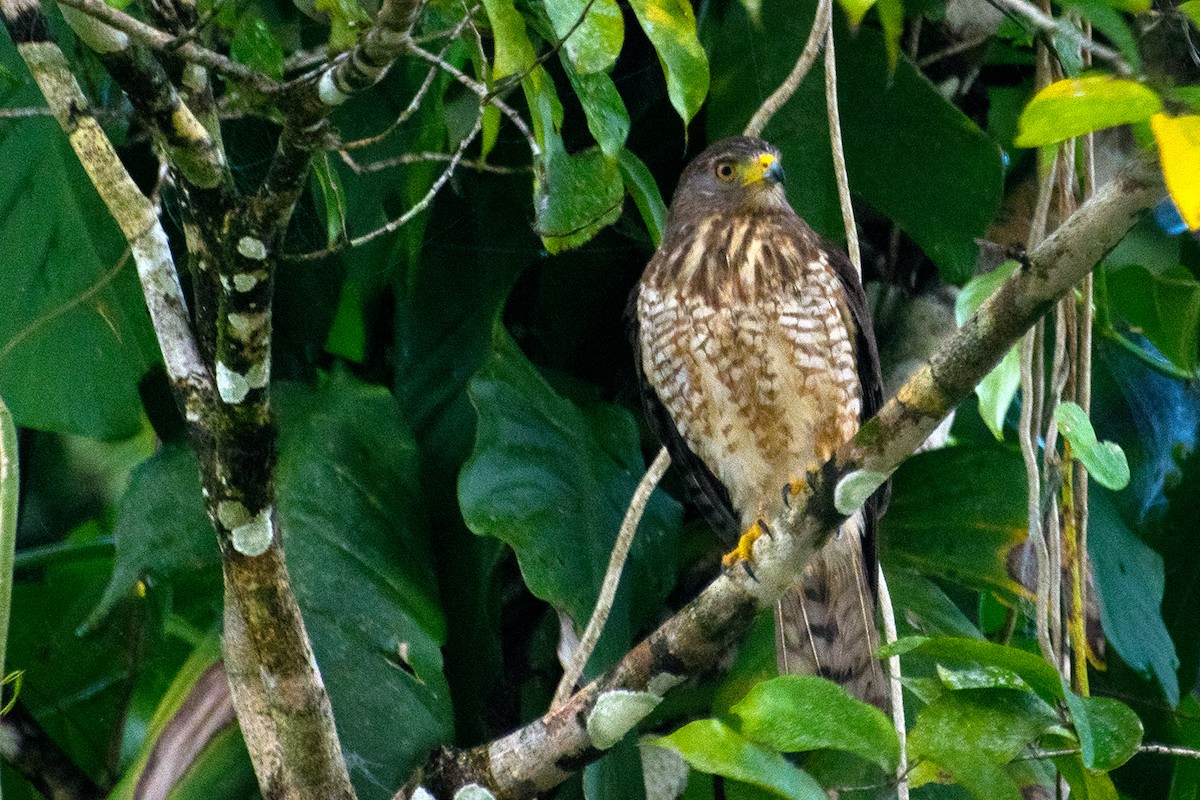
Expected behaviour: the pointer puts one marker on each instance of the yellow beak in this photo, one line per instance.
(766, 167)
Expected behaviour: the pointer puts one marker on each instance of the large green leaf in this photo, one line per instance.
(607, 118)
(671, 27)
(710, 745)
(77, 681)
(351, 514)
(553, 481)
(1075, 106)
(1163, 307)
(1109, 732)
(909, 152)
(185, 737)
(1129, 582)
(75, 337)
(1105, 461)
(593, 32)
(796, 713)
(582, 193)
(956, 513)
(972, 733)
(1038, 674)
(997, 390)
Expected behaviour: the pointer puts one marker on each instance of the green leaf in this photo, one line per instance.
(945, 521)
(711, 746)
(891, 19)
(926, 606)
(350, 511)
(1129, 583)
(1037, 674)
(346, 19)
(997, 390)
(580, 195)
(644, 191)
(329, 185)
(1086, 784)
(982, 677)
(797, 713)
(75, 337)
(1191, 9)
(1165, 308)
(856, 9)
(1075, 106)
(1109, 732)
(942, 196)
(607, 118)
(514, 52)
(671, 27)
(973, 732)
(553, 482)
(594, 45)
(76, 684)
(1105, 461)
(1104, 17)
(1185, 781)
(254, 45)
(206, 759)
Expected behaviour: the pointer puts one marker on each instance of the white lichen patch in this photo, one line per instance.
(245, 281)
(615, 714)
(422, 794)
(258, 375)
(662, 683)
(252, 248)
(855, 488)
(253, 538)
(246, 327)
(232, 513)
(232, 386)
(195, 77)
(473, 791)
(664, 771)
(328, 91)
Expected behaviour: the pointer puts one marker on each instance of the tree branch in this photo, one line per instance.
(545, 752)
(29, 750)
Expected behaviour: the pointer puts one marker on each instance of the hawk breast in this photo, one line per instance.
(746, 338)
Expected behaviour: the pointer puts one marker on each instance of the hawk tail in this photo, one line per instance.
(825, 623)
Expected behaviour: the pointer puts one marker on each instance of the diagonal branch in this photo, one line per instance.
(544, 753)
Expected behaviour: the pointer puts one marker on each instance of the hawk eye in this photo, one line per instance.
(724, 170)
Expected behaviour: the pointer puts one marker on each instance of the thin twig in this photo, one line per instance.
(888, 613)
(791, 83)
(1046, 25)
(421, 158)
(483, 94)
(9, 471)
(612, 577)
(839, 154)
(400, 221)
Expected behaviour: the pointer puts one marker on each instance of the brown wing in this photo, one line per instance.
(706, 492)
(871, 382)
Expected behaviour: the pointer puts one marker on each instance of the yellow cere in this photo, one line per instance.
(758, 169)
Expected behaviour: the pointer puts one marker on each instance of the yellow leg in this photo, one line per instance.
(744, 552)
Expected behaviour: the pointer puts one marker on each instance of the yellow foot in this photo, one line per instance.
(793, 489)
(744, 552)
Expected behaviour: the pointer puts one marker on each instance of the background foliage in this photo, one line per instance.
(459, 432)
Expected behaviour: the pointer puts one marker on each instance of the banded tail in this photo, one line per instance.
(825, 623)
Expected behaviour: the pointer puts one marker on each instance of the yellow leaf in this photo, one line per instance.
(1178, 141)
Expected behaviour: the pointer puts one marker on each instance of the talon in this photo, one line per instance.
(744, 552)
(792, 489)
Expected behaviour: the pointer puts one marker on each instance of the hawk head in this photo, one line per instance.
(738, 175)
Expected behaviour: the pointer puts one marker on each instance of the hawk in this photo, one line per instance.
(757, 361)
